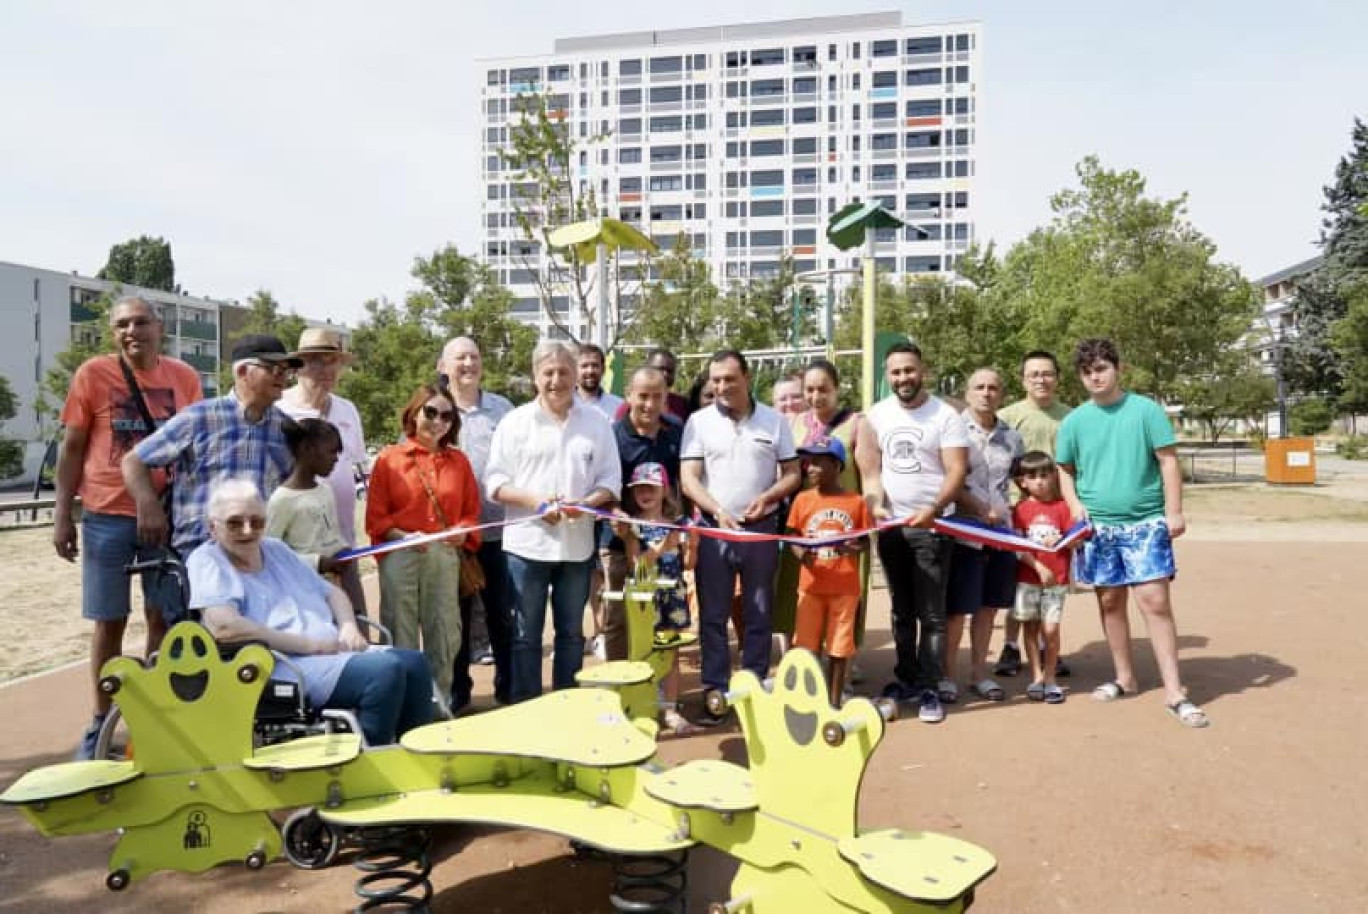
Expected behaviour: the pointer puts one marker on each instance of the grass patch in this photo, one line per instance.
(1259, 503)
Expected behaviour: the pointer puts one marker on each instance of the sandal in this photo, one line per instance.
(1054, 695)
(1109, 691)
(1036, 691)
(1188, 714)
(990, 690)
(947, 691)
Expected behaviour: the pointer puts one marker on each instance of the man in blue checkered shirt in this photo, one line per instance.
(237, 435)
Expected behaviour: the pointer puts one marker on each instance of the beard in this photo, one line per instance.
(907, 391)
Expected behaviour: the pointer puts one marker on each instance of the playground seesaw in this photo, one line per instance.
(579, 763)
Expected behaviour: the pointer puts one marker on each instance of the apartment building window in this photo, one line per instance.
(493, 163)
(855, 173)
(888, 172)
(831, 144)
(927, 231)
(855, 50)
(961, 105)
(735, 179)
(805, 236)
(884, 235)
(831, 83)
(667, 64)
(761, 88)
(700, 61)
(881, 111)
(767, 178)
(695, 121)
(855, 143)
(629, 125)
(957, 74)
(806, 55)
(924, 77)
(831, 52)
(805, 207)
(767, 147)
(883, 141)
(958, 137)
(925, 263)
(767, 57)
(888, 48)
(631, 185)
(962, 42)
(603, 98)
(666, 94)
(496, 192)
(667, 153)
(831, 114)
(855, 111)
(697, 182)
(806, 145)
(494, 220)
(921, 171)
(698, 93)
(696, 211)
(736, 119)
(885, 79)
(736, 89)
(961, 231)
(603, 70)
(736, 58)
(767, 117)
(557, 72)
(496, 106)
(855, 81)
(759, 208)
(735, 209)
(961, 168)
(922, 202)
(667, 182)
(629, 68)
(957, 200)
(525, 75)
(930, 44)
(927, 107)
(734, 150)
(629, 155)
(768, 238)
(629, 96)
(922, 139)
(667, 213)
(493, 77)
(805, 115)
(804, 177)
(831, 174)
(735, 239)
(631, 214)
(495, 134)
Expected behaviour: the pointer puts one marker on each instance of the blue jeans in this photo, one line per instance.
(391, 691)
(719, 564)
(568, 583)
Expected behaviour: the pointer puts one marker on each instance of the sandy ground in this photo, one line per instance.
(1088, 807)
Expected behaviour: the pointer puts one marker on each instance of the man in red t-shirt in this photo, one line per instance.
(1042, 577)
(829, 582)
(103, 421)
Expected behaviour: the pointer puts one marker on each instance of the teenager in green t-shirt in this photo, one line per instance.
(1121, 471)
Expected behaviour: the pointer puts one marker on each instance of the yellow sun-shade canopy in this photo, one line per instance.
(586, 236)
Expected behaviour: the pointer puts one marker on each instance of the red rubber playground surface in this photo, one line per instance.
(1088, 807)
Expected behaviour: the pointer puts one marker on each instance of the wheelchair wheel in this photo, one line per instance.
(113, 742)
(309, 842)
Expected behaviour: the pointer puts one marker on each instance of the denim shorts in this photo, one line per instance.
(108, 543)
(1124, 554)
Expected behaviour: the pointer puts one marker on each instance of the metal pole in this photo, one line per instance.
(601, 323)
(1282, 384)
(867, 327)
(829, 318)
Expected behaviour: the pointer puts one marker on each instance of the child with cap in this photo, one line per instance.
(829, 576)
(656, 550)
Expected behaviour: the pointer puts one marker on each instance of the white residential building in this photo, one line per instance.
(746, 138)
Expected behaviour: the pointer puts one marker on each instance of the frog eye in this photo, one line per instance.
(810, 683)
(791, 679)
(177, 648)
(201, 650)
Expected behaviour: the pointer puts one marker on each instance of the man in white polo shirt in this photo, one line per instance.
(737, 464)
(555, 456)
(913, 453)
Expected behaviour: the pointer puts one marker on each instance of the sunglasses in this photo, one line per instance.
(248, 524)
(277, 369)
(433, 414)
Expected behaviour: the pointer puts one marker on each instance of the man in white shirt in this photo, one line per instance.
(550, 457)
(589, 390)
(461, 370)
(737, 464)
(913, 457)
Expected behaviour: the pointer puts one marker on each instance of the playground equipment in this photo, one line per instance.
(579, 762)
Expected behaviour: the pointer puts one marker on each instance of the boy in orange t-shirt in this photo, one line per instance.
(829, 576)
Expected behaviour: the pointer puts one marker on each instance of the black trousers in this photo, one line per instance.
(917, 566)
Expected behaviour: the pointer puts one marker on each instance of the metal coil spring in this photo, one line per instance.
(396, 866)
(650, 884)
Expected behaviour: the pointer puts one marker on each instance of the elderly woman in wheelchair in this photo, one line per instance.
(251, 588)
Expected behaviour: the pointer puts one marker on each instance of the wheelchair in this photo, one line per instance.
(283, 713)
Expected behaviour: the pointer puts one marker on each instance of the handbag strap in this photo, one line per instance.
(136, 392)
(432, 496)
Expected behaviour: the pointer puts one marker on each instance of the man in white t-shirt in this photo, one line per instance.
(913, 456)
(589, 387)
(737, 464)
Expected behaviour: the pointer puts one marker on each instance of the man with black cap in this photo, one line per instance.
(234, 436)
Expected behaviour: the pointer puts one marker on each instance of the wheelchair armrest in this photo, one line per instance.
(287, 663)
(373, 630)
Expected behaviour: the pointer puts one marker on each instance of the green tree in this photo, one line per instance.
(263, 316)
(682, 308)
(143, 261)
(1349, 336)
(11, 452)
(1114, 262)
(1315, 361)
(88, 340)
(1233, 390)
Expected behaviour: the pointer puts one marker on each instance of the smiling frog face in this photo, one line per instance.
(186, 669)
(801, 688)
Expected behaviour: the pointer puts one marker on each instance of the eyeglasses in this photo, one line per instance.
(1041, 376)
(133, 323)
(433, 414)
(277, 369)
(249, 524)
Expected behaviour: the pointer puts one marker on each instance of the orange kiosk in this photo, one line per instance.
(1290, 461)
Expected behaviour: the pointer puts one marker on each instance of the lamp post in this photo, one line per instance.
(1276, 337)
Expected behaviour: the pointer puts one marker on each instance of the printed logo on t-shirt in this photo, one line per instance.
(1042, 531)
(900, 450)
(828, 522)
(127, 423)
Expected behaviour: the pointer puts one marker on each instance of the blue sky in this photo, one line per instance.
(315, 148)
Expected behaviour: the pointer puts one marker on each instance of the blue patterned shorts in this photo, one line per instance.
(1125, 554)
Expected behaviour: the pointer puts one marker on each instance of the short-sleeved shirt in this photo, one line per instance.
(477, 434)
(536, 452)
(992, 453)
(1038, 427)
(606, 403)
(306, 521)
(1111, 449)
(910, 444)
(209, 441)
(815, 515)
(741, 457)
(343, 416)
(635, 449)
(284, 596)
(1043, 522)
(99, 401)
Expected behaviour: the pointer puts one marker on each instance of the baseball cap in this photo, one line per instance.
(264, 348)
(650, 474)
(827, 445)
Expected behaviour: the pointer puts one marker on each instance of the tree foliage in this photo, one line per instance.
(1233, 390)
(143, 261)
(11, 452)
(263, 316)
(87, 341)
(683, 308)
(399, 345)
